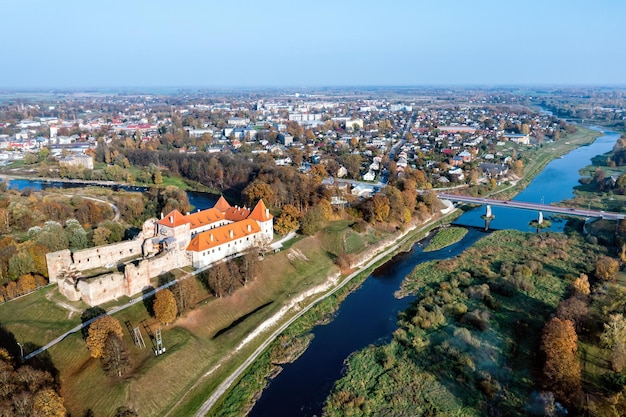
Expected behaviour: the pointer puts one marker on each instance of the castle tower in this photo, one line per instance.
(261, 214)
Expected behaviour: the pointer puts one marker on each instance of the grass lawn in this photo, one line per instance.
(195, 343)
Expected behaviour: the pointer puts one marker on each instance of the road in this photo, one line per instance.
(570, 211)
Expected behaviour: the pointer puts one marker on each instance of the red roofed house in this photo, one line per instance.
(217, 233)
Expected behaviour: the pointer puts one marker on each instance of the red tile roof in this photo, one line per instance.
(222, 235)
(222, 205)
(204, 217)
(173, 219)
(260, 212)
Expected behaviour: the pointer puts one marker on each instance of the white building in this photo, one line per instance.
(218, 233)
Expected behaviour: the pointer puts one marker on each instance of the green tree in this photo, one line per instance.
(53, 236)
(165, 309)
(116, 229)
(20, 264)
(312, 221)
(76, 235)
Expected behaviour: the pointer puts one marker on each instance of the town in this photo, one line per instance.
(207, 222)
(360, 139)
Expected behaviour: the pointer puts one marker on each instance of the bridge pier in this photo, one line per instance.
(487, 217)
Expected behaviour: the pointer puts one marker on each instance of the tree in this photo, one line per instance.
(561, 369)
(580, 286)
(573, 309)
(76, 235)
(20, 264)
(125, 412)
(165, 309)
(249, 265)
(47, 403)
(606, 268)
(216, 279)
(101, 236)
(312, 221)
(380, 207)
(115, 356)
(614, 338)
(98, 333)
(185, 293)
(288, 220)
(255, 191)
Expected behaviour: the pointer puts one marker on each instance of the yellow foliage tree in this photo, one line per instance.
(165, 309)
(581, 285)
(48, 403)
(606, 268)
(99, 331)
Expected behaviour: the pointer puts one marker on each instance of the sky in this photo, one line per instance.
(289, 43)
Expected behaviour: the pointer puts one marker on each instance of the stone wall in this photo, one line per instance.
(102, 256)
(137, 274)
(58, 264)
(102, 289)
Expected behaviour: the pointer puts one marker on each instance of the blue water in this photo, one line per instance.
(555, 183)
(369, 314)
(197, 199)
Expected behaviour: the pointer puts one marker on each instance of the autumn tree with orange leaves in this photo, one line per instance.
(562, 369)
(99, 331)
(165, 309)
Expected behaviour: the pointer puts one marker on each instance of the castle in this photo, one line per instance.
(101, 274)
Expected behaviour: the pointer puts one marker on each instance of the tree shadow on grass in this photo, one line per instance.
(90, 314)
(148, 302)
(240, 320)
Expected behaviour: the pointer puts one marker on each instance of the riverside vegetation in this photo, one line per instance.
(471, 344)
(446, 237)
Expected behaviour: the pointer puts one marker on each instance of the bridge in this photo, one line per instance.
(569, 211)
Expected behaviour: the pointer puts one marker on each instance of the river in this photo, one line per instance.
(197, 199)
(369, 314)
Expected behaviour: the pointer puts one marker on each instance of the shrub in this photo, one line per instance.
(478, 292)
(477, 318)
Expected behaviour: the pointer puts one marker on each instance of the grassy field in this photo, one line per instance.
(445, 237)
(243, 395)
(196, 343)
(468, 343)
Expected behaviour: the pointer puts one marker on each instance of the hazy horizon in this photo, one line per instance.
(70, 45)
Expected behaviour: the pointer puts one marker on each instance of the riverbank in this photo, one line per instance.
(543, 156)
(471, 338)
(248, 380)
